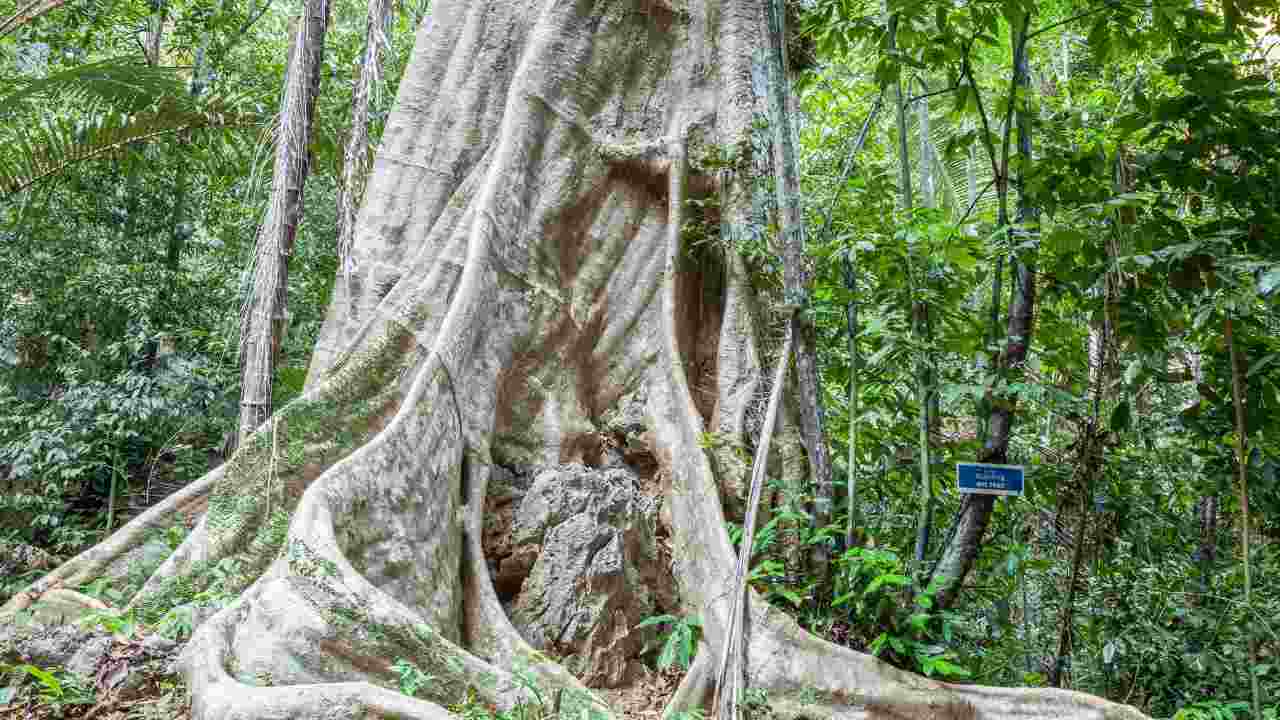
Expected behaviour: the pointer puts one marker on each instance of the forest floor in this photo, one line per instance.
(66, 671)
(645, 698)
(133, 679)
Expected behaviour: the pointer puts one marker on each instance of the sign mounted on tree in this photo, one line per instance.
(984, 479)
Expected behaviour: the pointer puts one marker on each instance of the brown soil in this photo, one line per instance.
(646, 697)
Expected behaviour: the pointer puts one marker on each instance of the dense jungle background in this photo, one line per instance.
(1136, 188)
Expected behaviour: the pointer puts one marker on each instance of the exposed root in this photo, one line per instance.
(96, 561)
(694, 692)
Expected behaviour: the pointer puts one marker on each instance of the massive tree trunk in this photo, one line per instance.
(520, 274)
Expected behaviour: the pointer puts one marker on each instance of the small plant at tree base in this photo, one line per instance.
(680, 642)
(410, 679)
(121, 625)
(872, 582)
(100, 589)
(178, 623)
(755, 702)
(55, 688)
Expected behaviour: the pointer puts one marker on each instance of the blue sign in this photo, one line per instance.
(983, 479)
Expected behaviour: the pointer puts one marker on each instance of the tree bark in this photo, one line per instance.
(900, 118)
(855, 370)
(928, 189)
(263, 318)
(731, 679)
(154, 34)
(354, 164)
(975, 510)
(796, 281)
(519, 278)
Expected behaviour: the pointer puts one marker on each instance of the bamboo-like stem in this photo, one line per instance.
(1242, 465)
(855, 368)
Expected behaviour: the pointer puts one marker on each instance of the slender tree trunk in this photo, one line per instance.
(855, 369)
(900, 118)
(202, 68)
(154, 34)
(1065, 633)
(731, 678)
(851, 318)
(971, 178)
(1088, 468)
(924, 521)
(262, 321)
(928, 408)
(1242, 463)
(928, 189)
(975, 510)
(796, 283)
(355, 164)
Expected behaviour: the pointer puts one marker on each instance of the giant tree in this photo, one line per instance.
(519, 274)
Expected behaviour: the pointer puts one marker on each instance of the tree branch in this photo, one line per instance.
(943, 91)
(1073, 18)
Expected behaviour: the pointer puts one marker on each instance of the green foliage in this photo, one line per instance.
(679, 642)
(1212, 710)
(122, 429)
(121, 625)
(119, 104)
(872, 585)
(54, 688)
(410, 679)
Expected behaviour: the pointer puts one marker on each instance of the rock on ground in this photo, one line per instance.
(576, 558)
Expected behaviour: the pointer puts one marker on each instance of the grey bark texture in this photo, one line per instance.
(263, 318)
(796, 281)
(520, 283)
(355, 154)
(585, 542)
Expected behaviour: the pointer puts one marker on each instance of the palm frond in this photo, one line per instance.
(952, 169)
(125, 84)
(51, 142)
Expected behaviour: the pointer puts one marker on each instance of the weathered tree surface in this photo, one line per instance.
(264, 315)
(519, 276)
